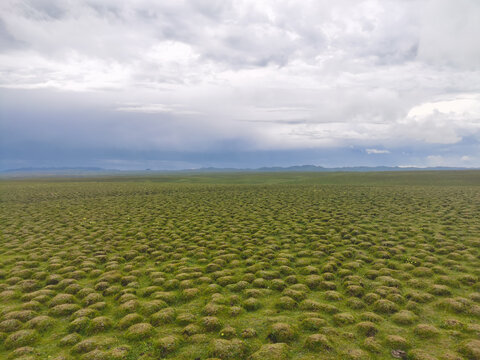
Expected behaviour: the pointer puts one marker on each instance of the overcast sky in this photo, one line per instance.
(186, 84)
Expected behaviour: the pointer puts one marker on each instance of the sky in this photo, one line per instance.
(187, 84)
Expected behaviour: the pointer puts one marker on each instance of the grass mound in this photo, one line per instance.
(318, 342)
(21, 338)
(139, 331)
(228, 349)
(279, 351)
(281, 333)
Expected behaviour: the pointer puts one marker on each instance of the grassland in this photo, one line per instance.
(241, 266)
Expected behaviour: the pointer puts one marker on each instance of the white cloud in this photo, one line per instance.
(156, 109)
(376, 151)
(452, 160)
(436, 160)
(465, 105)
(444, 120)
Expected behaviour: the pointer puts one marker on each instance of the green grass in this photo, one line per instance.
(336, 265)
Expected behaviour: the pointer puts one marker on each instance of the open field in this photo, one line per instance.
(241, 266)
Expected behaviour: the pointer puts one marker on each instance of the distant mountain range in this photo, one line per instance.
(85, 171)
(314, 168)
(47, 169)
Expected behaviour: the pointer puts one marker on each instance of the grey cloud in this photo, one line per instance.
(211, 9)
(7, 40)
(449, 34)
(290, 122)
(246, 34)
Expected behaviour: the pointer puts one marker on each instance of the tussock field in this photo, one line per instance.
(241, 266)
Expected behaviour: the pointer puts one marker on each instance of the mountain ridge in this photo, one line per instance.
(83, 171)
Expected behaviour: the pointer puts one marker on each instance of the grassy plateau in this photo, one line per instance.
(241, 266)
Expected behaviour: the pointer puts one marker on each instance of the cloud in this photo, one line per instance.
(250, 75)
(155, 109)
(446, 120)
(376, 151)
(449, 33)
(435, 160)
(155, 42)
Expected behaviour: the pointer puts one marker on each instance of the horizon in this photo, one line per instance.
(309, 168)
(246, 85)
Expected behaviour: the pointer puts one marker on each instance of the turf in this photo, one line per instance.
(241, 266)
